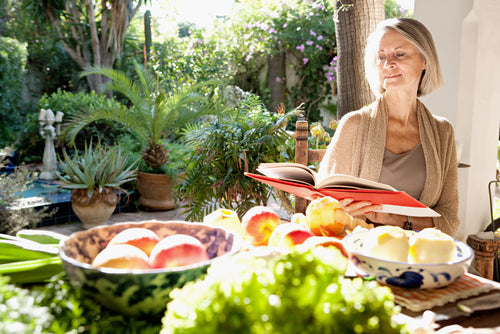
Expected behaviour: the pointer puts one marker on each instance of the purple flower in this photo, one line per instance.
(248, 57)
(312, 33)
(309, 42)
(273, 31)
(305, 60)
(285, 25)
(320, 37)
(301, 48)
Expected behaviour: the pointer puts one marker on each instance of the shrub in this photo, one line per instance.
(13, 219)
(31, 145)
(302, 32)
(13, 56)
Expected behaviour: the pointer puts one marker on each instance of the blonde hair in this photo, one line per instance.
(417, 34)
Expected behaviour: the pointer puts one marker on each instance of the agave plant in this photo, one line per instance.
(96, 174)
(154, 114)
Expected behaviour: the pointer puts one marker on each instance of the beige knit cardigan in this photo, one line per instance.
(357, 149)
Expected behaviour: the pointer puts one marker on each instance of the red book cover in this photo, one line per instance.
(393, 201)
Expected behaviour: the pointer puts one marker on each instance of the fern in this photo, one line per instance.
(226, 147)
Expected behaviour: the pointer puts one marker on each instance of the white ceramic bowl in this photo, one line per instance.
(408, 275)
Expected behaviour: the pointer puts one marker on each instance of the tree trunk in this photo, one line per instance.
(96, 50)
(276, 79)
(353, 27)
(115, 18)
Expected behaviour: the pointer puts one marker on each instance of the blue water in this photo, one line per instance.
(47, 190)
(43, 188)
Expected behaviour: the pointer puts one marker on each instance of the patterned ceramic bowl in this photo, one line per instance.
(408, 275)
(142, 292)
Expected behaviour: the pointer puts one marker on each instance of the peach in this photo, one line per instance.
(319, 241)
(259, 223)
(226, 218)
(178, 250)
(121, 256)
(288, 235)
(141, 238)
(326, 217)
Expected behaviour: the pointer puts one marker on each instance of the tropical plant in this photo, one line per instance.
(154, 114)
(96, 174)
(223, 149)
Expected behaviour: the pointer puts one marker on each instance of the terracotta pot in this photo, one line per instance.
(156, 191)
(95, 212)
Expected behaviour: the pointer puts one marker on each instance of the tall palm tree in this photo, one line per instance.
(154, 114)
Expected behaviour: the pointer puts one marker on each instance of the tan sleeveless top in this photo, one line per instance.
(405, 171)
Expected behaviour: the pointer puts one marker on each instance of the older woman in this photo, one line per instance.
(396, 140)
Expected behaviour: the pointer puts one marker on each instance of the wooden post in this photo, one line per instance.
(484, 254)
(301, 157)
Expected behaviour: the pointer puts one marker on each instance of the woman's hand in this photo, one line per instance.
(386, 218)
(359, 208)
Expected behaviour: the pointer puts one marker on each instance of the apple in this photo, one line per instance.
(121, 256)
(259, 223)
(300, 219)
(319, 241)
(178, 250)
(288, 235)
(226, 218)
(326, 217)
(142, 238)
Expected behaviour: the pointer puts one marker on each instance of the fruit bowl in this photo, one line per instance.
(404, 274)
(139, 292)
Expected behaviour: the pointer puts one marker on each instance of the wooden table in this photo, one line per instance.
(487, 321)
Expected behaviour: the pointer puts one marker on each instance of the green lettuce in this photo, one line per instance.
(299, 292)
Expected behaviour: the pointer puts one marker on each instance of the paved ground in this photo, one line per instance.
(174, 214)
(69, 228)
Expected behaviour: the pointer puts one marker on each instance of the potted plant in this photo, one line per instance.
(153, 116)
(95, 178)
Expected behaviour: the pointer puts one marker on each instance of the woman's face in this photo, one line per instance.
(399, 63)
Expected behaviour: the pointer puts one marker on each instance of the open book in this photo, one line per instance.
(302, 181)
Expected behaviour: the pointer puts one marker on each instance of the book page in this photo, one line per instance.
(351, 182)
(289, 171)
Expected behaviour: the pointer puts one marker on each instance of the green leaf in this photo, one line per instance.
(22, 249)
(32, 271)
(41, 236)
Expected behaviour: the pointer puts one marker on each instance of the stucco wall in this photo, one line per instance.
(468, 43)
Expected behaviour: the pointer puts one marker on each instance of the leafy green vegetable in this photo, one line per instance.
(301, 292)
(18, 311)
(41, 236)
(27, 261)
(75, 312)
